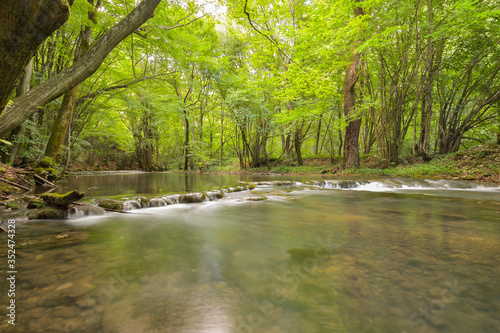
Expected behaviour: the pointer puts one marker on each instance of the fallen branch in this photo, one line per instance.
(15, 185)
(2, 229)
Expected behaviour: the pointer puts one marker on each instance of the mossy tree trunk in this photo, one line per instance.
(24, 25)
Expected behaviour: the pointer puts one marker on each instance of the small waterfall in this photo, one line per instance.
(157, 202)
(131, 205)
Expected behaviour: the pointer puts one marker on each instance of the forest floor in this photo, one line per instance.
(481, 163)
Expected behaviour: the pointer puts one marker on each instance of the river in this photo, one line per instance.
(318, 255)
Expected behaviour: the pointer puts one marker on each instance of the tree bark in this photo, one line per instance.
(351, 142)
(27, 104)
(24, 25)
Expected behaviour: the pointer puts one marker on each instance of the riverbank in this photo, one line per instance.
(481, 163)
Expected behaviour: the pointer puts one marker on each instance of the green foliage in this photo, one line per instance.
(216, 91)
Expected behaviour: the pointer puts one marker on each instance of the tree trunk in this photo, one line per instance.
(318, 136)
(221, 139)
(24, 25)
(186, 141)
(431, 65)
(351, 142)
(60, 126)
(298, 145)
(27, 104)
(23, 87)
(68, 104)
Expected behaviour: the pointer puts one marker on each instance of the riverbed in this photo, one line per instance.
(305, 254)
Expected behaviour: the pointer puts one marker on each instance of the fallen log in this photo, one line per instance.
(14, 184)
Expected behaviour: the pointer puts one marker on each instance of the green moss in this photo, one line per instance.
(12, 206)
(62, 200)
(6, 189)
(36, 203)
(52, 173)
(48, 214)
(110, 204)
(261, 198)
(46, 162)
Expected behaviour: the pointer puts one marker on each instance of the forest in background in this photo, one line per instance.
(210, 86)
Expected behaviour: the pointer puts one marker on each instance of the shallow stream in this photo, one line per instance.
(318, 255)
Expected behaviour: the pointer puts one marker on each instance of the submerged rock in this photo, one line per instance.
(213, 195)
(131, 205)
(191, 198)
(109, 204)
(299, 255)
(171, 199)
(157, 202)
(85, 210)
(261, 198)
(48, 213)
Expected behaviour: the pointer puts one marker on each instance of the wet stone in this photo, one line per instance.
(65, 312)
(439, 322)
(435, 292)
(79, 290)
(86, 302)
(40, 325)
(64, 286)
(38, 312)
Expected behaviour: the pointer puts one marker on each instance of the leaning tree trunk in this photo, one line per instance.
(68, 104)
(54, 87)
(351, 142)
(24, 25)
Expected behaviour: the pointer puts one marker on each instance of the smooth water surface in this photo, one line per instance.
(382, 256)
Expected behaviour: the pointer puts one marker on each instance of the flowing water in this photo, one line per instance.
(391, 255)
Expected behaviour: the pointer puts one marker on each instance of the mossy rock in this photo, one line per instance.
(192, 198)
(261, 198)
(36, 203)
(12, 206)
(109, 204)
(48, 213)
(62, 200)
